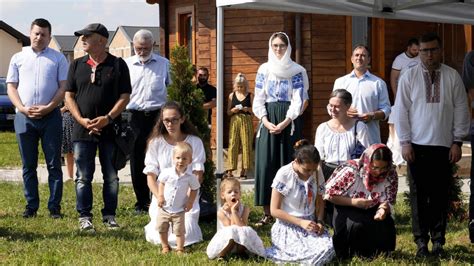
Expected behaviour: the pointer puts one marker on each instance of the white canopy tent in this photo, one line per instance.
(442, 11)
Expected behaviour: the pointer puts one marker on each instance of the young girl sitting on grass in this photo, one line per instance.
(298, 235)
(233, 234)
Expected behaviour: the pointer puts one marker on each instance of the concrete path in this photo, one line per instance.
(14, 175)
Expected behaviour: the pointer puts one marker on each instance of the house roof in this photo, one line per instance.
(129, 31)
(111, 35)
(443, 11)
(13, 32)
(65, 42)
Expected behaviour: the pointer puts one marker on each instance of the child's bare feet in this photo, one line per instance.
(180, 251)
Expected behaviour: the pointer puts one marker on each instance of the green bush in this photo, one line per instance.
(184, 91)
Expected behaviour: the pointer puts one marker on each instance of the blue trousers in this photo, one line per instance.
(84, 155)
(29, 132)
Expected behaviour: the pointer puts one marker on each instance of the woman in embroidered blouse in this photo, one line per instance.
(335, 139)
(172, 127)
(363, 193)
(279, 87)
(298, 235)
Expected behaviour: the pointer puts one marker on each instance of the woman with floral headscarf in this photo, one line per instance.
(363, 192)
(279, 88)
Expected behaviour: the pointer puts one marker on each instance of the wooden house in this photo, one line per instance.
(321, 43)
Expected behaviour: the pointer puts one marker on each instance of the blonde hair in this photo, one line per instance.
(229, 181)
(241, 80)
(183, 147)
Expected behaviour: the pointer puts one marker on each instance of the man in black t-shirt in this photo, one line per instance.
(98, 89)
(210, 92)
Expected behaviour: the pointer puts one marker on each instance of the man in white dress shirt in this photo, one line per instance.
(149, 74)
(370, 102)
(431, 120)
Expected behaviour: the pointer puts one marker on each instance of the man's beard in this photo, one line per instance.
(144, 58)
(202, 81)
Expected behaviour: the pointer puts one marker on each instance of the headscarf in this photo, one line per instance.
(284, 67)
(468, 71)
(364, 167)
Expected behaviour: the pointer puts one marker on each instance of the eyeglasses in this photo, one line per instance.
(172, 121)
(281, 46)
(378, 169)
(143, 49)
(430, 50)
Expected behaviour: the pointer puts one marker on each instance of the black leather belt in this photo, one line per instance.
(146, 113)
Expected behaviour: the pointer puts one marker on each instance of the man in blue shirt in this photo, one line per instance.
(36, 81)
(149, 74)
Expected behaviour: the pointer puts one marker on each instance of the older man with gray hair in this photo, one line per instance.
(149, 74)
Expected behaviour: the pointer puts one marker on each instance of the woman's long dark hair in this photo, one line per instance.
(160, 130)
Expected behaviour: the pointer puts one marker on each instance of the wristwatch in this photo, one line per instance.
(459, 143)
(109, 119)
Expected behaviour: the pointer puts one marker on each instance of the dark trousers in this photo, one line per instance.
(142, 123)
(429, 177)
(471, 197)
(357, 233)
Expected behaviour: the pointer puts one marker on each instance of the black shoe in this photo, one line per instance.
(140, 211)
(422, 252)
(55, 214)
(437, 249)
(471, 231)
(29, 213)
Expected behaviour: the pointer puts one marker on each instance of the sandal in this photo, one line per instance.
(266, 219)
(165, 249)
(228, 174)
(243, 175)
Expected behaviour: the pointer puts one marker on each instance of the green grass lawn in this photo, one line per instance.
(9, 153)
(45, 241)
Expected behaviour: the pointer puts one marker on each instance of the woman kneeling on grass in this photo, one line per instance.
(363, 193)
(297, 237)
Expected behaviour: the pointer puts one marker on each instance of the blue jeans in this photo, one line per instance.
(28, 134)
(84, 155)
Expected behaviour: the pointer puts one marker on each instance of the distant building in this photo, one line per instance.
(64, 44)
(12, 42)
(121, 44)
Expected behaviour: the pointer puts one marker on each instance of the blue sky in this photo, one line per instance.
(67, 16)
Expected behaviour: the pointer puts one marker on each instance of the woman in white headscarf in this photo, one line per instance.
(279, 88)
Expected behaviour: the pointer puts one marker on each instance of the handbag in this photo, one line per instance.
(124, 138)
(358, 148)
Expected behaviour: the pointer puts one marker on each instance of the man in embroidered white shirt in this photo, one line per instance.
(370, 102)
(432, 119)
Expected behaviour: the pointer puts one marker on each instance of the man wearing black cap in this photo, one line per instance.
(98, 91)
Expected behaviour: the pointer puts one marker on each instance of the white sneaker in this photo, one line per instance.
(109, 222)
(85, 224)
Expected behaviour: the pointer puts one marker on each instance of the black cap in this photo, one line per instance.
(93, 28)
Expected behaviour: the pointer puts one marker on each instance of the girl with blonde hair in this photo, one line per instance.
(239, 108)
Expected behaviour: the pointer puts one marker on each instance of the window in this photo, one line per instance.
(185, 30)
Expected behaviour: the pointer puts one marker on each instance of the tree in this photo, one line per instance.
(184, 91)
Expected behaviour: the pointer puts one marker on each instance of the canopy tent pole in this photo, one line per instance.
(220, 102)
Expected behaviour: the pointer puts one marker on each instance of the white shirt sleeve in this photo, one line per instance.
(319, 141)
(199, 154)
(258, 105)
(296, 102)
(151, 158)
(403, 104)
(461, 110)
